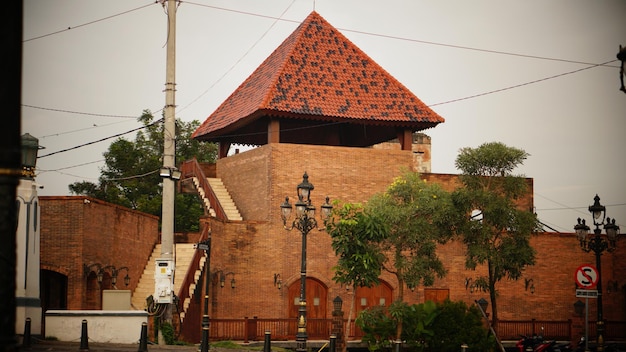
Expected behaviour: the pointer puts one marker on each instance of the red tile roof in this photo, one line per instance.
(318, 74)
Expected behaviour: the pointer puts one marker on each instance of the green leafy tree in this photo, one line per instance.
(130, 176)
(458, 324)
(498, 235)
(418, 320)
(418, 216)
(428, 327)
(355, 236)
(378, 328)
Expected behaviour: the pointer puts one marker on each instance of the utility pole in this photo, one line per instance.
(164, 273)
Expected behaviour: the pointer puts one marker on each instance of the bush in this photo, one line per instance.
(426, 327)
(379, 328)
(167, 330)
(458, 324)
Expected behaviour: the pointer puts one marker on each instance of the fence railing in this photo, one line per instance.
(191, 168)
(554, 330)
(253, 329)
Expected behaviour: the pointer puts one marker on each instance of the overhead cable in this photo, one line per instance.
(99, 140)
(88, 23)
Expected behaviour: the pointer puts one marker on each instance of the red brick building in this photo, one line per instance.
(319, 104)
(82, 236)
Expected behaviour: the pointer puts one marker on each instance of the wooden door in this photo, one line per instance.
(316, 299)
(437, 295)
(367, 297)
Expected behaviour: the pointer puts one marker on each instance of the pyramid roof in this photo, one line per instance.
(318, 80)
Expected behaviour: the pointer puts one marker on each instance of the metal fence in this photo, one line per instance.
(251, 329)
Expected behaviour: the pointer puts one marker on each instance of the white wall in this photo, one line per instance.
(102, 326)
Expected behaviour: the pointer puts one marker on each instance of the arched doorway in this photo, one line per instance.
(366, 297)
(316, 299)
(316, 302)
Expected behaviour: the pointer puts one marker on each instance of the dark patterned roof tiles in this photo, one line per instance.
(317, 73)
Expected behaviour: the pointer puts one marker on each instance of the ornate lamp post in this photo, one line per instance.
(206, 246)
(305, 222)
(598, 245)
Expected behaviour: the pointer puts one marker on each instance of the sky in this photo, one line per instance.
(539, 75)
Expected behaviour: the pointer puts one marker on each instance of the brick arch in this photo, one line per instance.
(316, 298)
(55, 268)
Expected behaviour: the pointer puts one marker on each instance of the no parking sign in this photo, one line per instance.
(586, 276)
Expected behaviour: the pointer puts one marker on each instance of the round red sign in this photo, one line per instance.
(586, 276)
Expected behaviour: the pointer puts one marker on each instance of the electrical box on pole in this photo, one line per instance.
(163, 281)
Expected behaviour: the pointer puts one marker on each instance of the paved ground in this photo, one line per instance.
(47, 345)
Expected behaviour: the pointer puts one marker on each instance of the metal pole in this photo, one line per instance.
(84, 337)
(301, 335)
(267, 343)
(598, 248)
(205, 317)
(143, 339)
(169, 146)
(587, 324)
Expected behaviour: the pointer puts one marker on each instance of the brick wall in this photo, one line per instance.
(259, 247)
(79, 230)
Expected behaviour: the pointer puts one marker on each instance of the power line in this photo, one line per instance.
(99, 140)
(499, 52)
(88, 23)
(71, 167)
(132, 177)
(79, 112)
(520, 85)
(80, 129)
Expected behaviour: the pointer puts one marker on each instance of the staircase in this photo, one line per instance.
(145, 287)
(223, 197)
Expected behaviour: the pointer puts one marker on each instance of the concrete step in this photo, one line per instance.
(232, 213)
(145, 287)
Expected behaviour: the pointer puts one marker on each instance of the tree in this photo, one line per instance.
(457, 324)
(428, 326)
(418, 216)
(130, 176)
(355, 235)
(499, 233)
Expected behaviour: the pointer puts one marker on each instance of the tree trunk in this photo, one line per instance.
(399, 298)
(350, 312)
(492, 298)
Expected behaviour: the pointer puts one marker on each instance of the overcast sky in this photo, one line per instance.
(540, 75)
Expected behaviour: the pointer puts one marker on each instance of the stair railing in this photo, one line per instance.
(183, 292)
(191, 168)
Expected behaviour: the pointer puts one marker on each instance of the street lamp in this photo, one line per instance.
(598, 244)
(222, 277)
(206, 247)
(116, 272)
(30, 147)
(305, 222)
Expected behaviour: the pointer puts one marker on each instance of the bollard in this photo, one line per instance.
(333, 343)
(84, 339)
(267, 345)
(398, 344)
(26, 340)
(143, 340)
